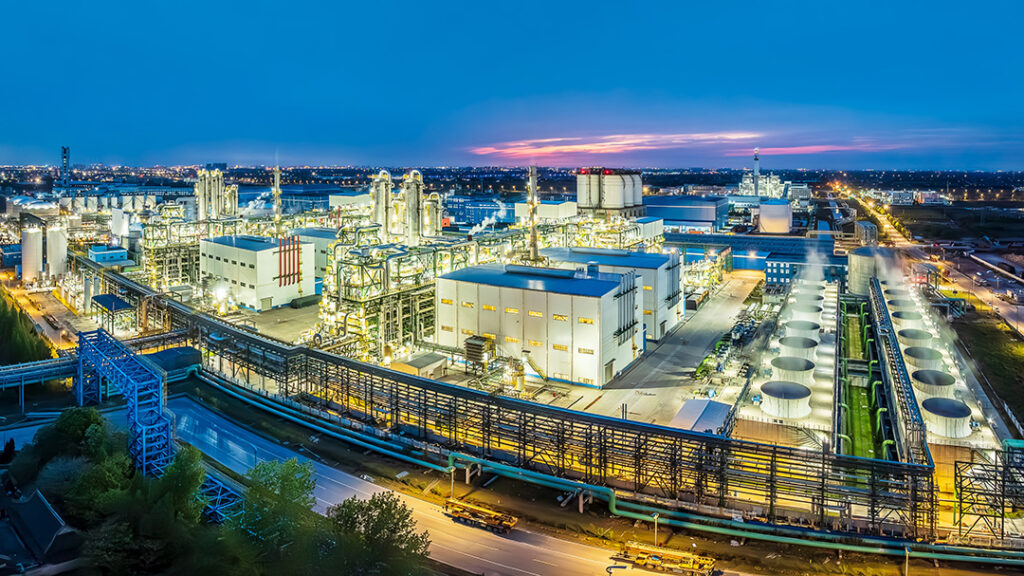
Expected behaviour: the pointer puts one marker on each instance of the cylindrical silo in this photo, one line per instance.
(583, 190)
(56, 251)
(784, 399)
(947, 417)
(907, 319)
(31, 254)
(798, 346)
(803, 328)
(638, 190)
(627, 190)
(933, 383)
(793, 369)
(613, 187)
(914, 337)
(923, 358)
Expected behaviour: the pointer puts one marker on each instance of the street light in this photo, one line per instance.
(656, 516)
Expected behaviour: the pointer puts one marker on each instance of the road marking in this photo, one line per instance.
(543, 562)
(436, 545)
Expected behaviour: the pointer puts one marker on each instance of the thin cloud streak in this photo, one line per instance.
(819, 149)
(610, 144)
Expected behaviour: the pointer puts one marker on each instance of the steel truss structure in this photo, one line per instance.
(986, 493)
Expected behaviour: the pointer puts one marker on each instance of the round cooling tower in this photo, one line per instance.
(863, 265)
(802, 328)
(898, 304)
(784, 399)
(896, 292)
(800, 370)
(798, 346)
(933, 383)
(914, 337)
(923, 358)
(947, 417)
(810, 312)
(809, 298)
(907, 319)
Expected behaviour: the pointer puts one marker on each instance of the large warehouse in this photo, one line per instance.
(574, 326)
(659, 273)
(257, 272)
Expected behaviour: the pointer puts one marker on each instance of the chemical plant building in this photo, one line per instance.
(576, 326)
(321, 238)
(705, 214)
(256, 272)
(659, 274)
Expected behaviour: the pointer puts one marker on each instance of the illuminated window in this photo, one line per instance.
(648, 288)
(560, 347)
(583, 320)
(585, 350)
(512, 310)
(560, 317)
(488, 335)
(587, 381)
(467, 331)
(467, 304)
(535, 342)
(536, 314)
(447, 329)
(512, 339)
(446, 301)
(648, 313)
(489, 307)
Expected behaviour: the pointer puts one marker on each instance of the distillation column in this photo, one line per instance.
(381, 187)
(412, 186)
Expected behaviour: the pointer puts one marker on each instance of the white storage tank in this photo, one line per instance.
(803, 328)
(638, 190)
(793, 369)
(914, 337)
(933, 383)
(947, 417)
(923, 358)
(613, 189)
(56, 251)
(784, 399)
(583, 190)
(627, 190)
(776, 217)
(863, 265)
(798, 346)
(31, 254)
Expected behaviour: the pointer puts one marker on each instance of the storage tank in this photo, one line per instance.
(793, 369)
(613, 187)
(798, 346)
(627, 190)
(897, 304)
(588, 188)
(776, 217)
(638, 190)
(914, 337)
(803, 328)
(907, 319)
(31, 254)
(933, 383)
(809, 312)
(947, 417)
(923, 358)
(863, 265)
(784, 399)
(56, 251)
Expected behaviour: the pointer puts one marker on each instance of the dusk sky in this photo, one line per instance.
(674, 84)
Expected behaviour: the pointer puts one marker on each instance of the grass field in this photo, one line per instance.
(999, 354)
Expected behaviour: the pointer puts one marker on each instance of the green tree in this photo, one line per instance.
(385, 531)
(278, 502)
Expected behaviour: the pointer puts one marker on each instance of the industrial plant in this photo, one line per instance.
(820, 388)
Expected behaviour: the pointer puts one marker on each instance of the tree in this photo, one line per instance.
(8, 454)
(60, 474)
(278, 502)
(384, 528)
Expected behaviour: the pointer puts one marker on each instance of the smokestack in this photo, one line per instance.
(757, 173)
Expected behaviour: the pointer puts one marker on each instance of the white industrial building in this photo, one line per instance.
(257, 272)
(577, 326)
(609, 191)
(321, 238)
(547, 211)
(659, 274)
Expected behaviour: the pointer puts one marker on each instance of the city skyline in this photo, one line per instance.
(812, 86)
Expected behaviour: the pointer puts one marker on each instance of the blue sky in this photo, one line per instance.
(673, 84)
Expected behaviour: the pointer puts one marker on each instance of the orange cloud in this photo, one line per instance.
(610, 144)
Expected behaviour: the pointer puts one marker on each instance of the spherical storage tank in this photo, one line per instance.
(803, 328)
(56, 251)
(947, 417)
(793, 369)
(914, 337)
(933, 383)
(31, 254)
(784, 399)
(798, 347)
(776, 217)
(923, 358)
(613, 188)
(863, 265)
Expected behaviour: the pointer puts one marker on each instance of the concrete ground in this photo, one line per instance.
(285, 323)
(655, 387)
(38, 304)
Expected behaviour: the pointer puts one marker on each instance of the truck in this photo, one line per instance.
(497, 522)
(660, 559)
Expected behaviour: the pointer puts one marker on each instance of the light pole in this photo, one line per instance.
(655, 516)
(451, 492)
